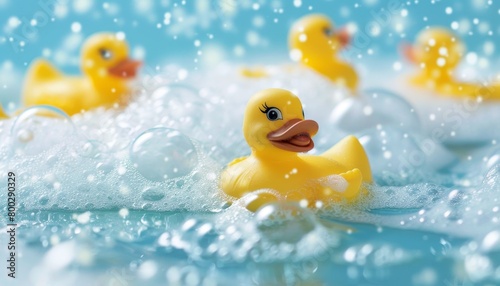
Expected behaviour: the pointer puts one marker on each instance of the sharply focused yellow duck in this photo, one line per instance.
(315, 43)
(438, 52)
(276, 131)
(107, 71)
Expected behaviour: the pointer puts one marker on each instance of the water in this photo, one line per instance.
(130, 195)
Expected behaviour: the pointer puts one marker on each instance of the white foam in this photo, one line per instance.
(99, 160)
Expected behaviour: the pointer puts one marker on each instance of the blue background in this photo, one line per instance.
(241, 31)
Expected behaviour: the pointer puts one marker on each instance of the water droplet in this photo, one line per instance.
(491, 241)
(455, 196)
(43, 200)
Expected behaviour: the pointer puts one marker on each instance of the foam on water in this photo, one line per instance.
(457, 121)
(166, 149)
(164, 153)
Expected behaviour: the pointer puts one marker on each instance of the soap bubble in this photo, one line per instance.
(374, 107)
(91, 148)
(394, 152)
(163, 153)
(40, 128)
(152, 194)
(285, 221)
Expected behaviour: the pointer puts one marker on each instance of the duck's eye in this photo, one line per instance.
(274, 114)
(105, 54)
(328, 32)
(303, 115)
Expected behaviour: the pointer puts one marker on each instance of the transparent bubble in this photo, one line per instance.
(405, 154)
(153, 194)
(40, 128)
(43, 200)
(372, 108)
(285, 221)
(163, 153)
(91, 148)
(396, 152)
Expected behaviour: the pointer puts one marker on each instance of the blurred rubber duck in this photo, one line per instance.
(3, 115)
(107, 71)
(315, 42)
(438, 52)
(256, 72)
(276, 131)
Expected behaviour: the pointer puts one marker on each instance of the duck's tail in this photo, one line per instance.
(350, 153)
(42, 70)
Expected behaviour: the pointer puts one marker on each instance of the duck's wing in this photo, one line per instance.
(350, 153)
(236, 179)
(237, 160)
(41, 70)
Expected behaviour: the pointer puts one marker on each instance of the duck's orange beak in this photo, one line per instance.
(295, 135)
(409, 52)
(125, 69)
(343, 36)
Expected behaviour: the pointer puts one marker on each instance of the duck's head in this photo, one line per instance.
(274, 123)
(435, 49)
(316, 38)
(106, 56)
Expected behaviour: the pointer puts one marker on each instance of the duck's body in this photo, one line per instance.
(317, 43)
(3, 115)
(276, 164)
(339, 72)
(73, 94)
(299, 177)
(438, 52)
(104, 83)
(449, 87)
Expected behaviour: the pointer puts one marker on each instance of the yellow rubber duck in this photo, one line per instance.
(276, 131)
(315, 41)
(438, 52)
(107, 71)
(3, 115)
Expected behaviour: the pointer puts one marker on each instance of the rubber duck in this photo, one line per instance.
(107, 71)
(258, 72)
(315, 43)
(3, 115)
(438, 52)
(277, 133)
